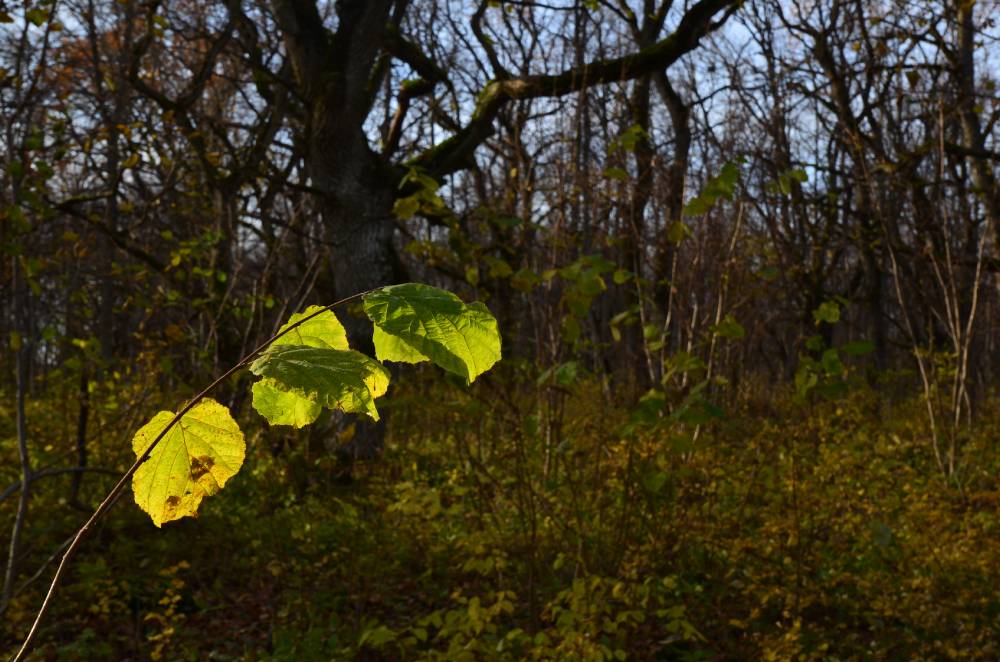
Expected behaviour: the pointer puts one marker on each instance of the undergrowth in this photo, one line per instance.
(546, 524)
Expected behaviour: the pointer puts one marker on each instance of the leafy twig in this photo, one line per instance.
(119, 487)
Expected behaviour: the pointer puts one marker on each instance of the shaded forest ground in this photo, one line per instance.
(553, 525)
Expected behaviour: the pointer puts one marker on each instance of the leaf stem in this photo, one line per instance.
(116, 491)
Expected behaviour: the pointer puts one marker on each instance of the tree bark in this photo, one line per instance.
(972, 134)
(337, 73)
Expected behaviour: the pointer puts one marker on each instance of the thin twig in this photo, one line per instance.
(14, 487)
(22, 312)
(38, 573)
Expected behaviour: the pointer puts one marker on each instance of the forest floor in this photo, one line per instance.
(554, 527)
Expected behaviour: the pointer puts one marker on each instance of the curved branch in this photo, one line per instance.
(485, 43)
(454, 153)
(14, 487)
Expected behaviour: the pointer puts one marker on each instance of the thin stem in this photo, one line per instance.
(21, 360)
(42, 473)
(113, 495)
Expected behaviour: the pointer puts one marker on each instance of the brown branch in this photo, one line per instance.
(406, 51)
(454, 153)
(409, 91)
(485, 43)
(14, 487)
(117, 238)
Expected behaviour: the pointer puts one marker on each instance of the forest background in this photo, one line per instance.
(745, 257)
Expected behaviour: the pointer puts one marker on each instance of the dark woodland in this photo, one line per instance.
(744, 258)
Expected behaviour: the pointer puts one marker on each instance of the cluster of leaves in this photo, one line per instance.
(824, 372)
(307, 368)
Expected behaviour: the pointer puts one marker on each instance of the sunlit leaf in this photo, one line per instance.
(323, 330)
(331, 378)
(393, 348)
(828, 311)
(281, 406)
(461, 338)
(193, 460)
(729, 328)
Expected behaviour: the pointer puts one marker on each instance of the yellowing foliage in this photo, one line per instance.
(194, 459)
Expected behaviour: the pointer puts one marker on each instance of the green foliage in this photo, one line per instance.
(493, 532)
(583, 282)
(785, 181)
(721, 186)
(320, 328)
(306, 368)
(331, 378)
(629, 139)
(729, 328)
(424, 198)
(824, 371)
(282, 404)
(417, 322)
(828, 311)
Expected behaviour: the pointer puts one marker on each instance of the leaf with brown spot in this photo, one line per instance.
(193, 460)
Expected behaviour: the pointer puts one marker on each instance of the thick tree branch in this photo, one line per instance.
(485, 43)
(406, 51)
(454, 153)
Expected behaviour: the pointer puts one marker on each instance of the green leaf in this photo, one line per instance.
(571, 329)
(648, 411)
(831, 362)
(785, 179)
(324, 330)
(729, 328)
(678, 231)
(498, 267)
(331, 378)
(193, 460)
(722, 185)
(654, 481)
(395, 349)
(525, 280)
(616, 173)
(622, 276)
(472, 275)
(281, 407)
(565, 375)
(629, 139)
(805, 381)
(461, 338)
(828, 311)
(406, 208)
(698, 206)
(36, 16)
(815, 343)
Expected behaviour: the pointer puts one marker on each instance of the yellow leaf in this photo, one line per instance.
(193, 460)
